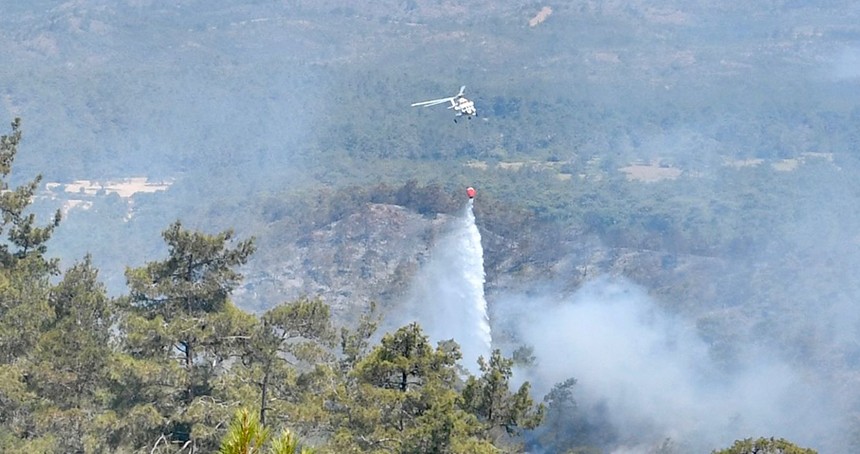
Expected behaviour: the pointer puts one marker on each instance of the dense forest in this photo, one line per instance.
(165, 367)
(667, 203)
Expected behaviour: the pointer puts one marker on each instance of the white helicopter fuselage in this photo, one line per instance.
(463, 106)
(459, 103)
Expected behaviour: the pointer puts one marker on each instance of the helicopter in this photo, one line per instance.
(460, 104)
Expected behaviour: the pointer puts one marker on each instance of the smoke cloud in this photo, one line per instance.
(654, 378)
(647, 374)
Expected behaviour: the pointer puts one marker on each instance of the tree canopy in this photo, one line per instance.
(764, 446)
(167, 366)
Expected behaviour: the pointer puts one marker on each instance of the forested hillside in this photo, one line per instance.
(164, 368)
(670, 175)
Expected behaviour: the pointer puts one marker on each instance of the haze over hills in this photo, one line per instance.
(141, 86)
(699, 156)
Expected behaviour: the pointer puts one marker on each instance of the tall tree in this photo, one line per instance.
(490, 398)
(24, 237)
(70, 364)
(24, 271)
(401, 397)
(24, 310)
(181, 329)
(78, 339)
(193, 283)
(292, 337)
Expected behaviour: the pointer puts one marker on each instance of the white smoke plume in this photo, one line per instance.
(447, 297)
(654, 378)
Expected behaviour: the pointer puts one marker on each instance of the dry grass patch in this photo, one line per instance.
(650, 173)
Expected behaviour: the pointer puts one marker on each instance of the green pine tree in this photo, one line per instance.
(180, 330)
(490, 398)
(765, 446)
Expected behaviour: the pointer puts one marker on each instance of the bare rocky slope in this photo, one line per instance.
(366, 256)
(373, 254)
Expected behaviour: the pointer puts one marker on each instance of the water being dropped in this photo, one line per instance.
(473, 272)
(448, 293)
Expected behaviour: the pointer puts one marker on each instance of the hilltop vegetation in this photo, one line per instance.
(280, 120)
(163, 368)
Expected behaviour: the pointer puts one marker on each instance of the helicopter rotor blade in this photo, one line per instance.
(432, 102)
